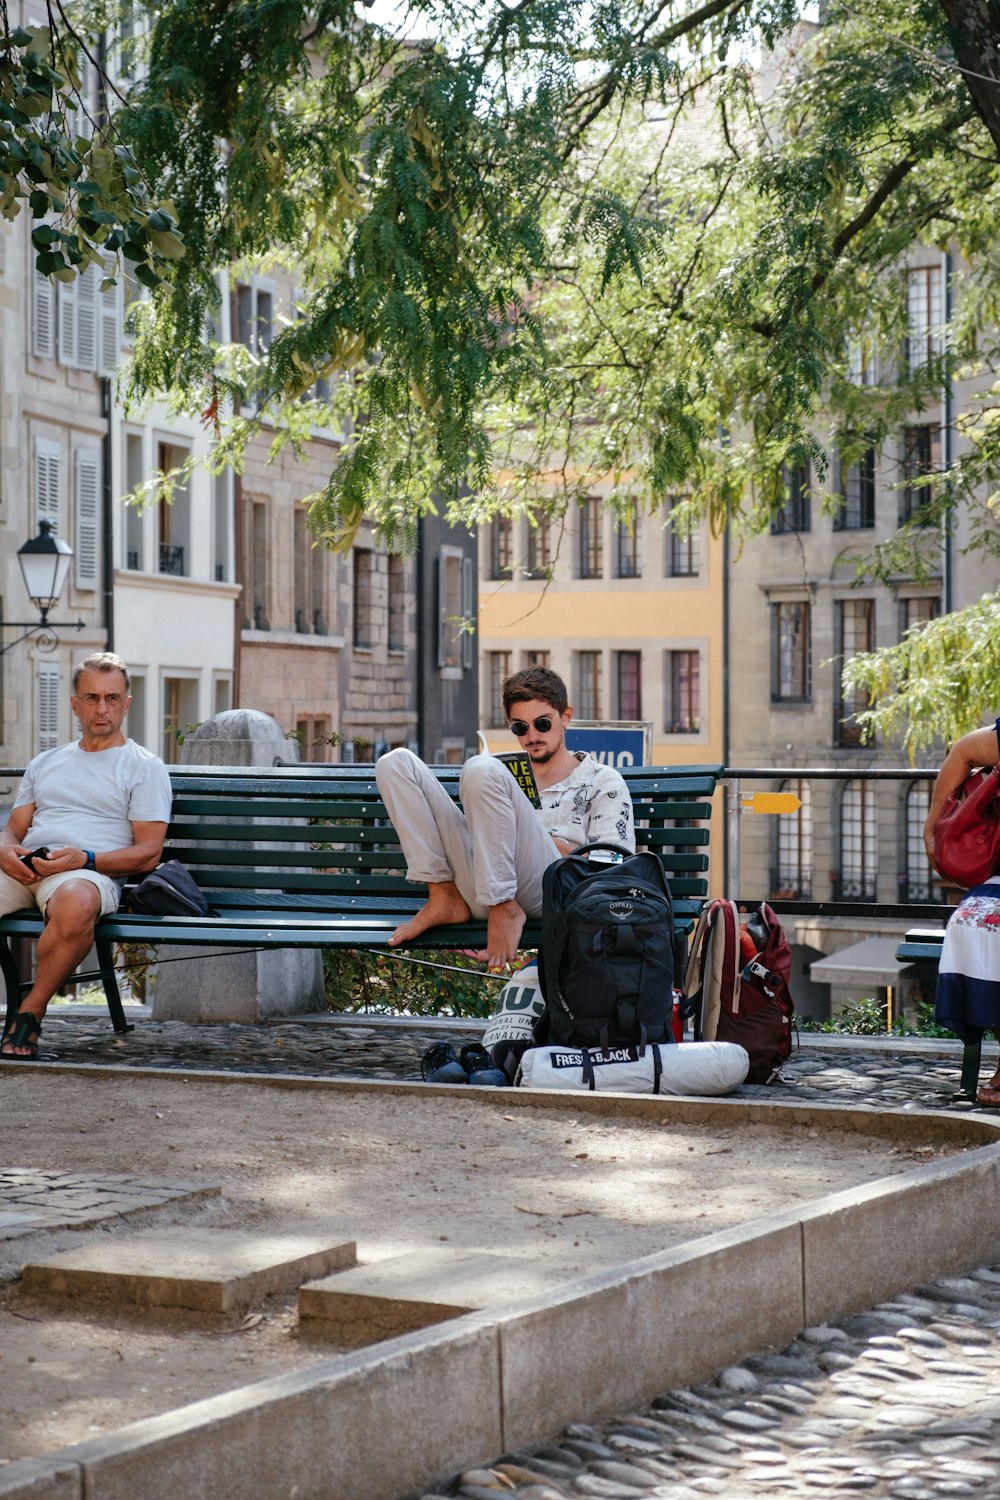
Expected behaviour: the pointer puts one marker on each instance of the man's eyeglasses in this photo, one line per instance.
(112, 700)
(520, 727)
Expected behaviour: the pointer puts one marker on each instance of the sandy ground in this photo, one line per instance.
(391, 1171)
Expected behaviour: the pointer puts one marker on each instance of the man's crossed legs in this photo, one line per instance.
(487, 861)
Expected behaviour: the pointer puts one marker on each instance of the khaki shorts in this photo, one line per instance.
(15, 897)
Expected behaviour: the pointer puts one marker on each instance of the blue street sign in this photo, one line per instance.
(611, 744)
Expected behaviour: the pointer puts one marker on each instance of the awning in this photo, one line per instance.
(872, 961)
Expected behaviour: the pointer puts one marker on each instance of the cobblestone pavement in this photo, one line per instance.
(902, 1401)
(32, 1200)
(903, 1075)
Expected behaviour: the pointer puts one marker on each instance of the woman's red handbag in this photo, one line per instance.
(967, 834)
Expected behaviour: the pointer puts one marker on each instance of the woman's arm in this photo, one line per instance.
(979, 748)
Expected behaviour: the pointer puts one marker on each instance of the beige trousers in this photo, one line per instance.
(496, 850)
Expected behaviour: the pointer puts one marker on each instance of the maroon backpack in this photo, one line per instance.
(737, 985)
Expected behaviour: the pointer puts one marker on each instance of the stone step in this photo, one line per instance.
(204, 1270)
(405, 1292)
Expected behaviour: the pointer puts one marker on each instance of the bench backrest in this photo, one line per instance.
(309, 836)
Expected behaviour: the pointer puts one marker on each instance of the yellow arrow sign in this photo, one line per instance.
(770, 802)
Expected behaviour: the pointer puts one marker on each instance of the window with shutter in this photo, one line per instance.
(86, 484)
(48, 707)
(87, 297)
(450, 621)
(43, 316)
(48, 482)
(468, 605)
(108, 322)
(66, 300)
(78, 303)
(83, 120)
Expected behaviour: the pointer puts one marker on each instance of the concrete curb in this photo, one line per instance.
(903, 1123)
(462, 1391)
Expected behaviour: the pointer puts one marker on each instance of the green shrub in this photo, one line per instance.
(867, 1018)
(433, 983)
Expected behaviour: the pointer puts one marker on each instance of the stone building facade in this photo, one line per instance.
(796, 611)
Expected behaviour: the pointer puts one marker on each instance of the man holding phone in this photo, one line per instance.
(489, 860)
(87, 815)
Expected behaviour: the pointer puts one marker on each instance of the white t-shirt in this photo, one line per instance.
(592, 803)
(89, 799)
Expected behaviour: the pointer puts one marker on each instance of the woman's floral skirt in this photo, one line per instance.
(968, 989)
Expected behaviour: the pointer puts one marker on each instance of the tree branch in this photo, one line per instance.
(876, 200)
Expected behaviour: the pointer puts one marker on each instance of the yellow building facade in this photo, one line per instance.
(628, 611)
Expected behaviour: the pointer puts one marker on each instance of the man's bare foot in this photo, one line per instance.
(503, 932)
(445, 904)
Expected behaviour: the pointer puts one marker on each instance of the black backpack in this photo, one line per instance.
(606, 964)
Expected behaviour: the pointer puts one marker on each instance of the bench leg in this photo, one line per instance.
(106, 964)
(12, 980)
(971, 1059)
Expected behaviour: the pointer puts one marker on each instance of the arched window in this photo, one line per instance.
(917, 879)
(793, 876)
(858, 842)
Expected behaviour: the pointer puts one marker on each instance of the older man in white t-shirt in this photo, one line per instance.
(87, 815)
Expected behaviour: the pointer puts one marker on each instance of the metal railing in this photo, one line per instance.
(851, 894)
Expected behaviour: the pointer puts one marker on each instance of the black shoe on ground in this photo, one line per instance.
(479, 1066)
(440, 1064)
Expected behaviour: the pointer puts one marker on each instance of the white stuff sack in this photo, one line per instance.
(708, 1068)
(520, 1004)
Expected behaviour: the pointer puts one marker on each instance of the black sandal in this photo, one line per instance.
(23, 1031)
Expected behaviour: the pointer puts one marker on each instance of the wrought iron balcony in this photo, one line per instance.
(172, 559)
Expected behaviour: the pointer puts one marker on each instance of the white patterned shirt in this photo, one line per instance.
(592, 803)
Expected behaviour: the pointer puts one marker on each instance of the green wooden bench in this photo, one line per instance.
(304, 857)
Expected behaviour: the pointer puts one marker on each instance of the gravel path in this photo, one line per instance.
(902, 1401)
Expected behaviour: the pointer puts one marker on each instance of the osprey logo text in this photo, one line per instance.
(620, 908)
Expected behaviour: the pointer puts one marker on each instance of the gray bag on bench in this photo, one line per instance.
(169, 891)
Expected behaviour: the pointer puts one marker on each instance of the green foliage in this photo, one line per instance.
(856, 1018)
(87, 198)
(868, 1018)
(938, 683)
(543, 242)
(431, 984)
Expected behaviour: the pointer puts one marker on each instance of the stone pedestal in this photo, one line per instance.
(206, 987)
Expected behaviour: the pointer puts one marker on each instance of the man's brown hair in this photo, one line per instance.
(535, 682)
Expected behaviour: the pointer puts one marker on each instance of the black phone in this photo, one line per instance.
(29, 859)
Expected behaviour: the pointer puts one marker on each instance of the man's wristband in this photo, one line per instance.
(89, 863)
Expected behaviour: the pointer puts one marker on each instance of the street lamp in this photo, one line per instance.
(44, 562)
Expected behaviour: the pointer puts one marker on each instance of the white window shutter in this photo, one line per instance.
(43, 316)
(87, 104)
(48, 707)
(67, 300)
(87, 305)
(108, 324)
(86, 483)
(48, 482)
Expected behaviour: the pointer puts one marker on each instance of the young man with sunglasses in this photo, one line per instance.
(489, 860)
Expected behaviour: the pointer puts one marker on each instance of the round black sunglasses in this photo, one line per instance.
(520, 727)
